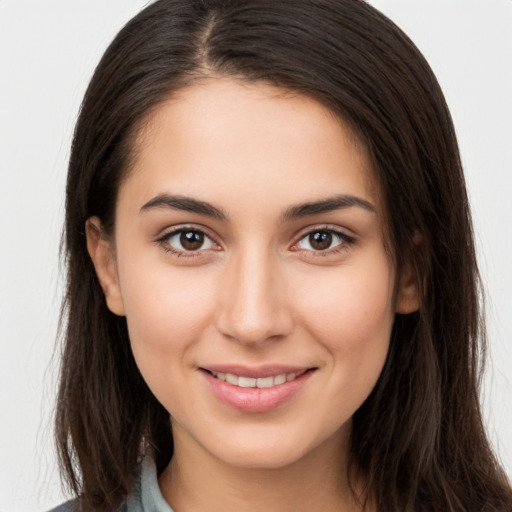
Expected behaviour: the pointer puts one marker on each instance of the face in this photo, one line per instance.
(250, 260)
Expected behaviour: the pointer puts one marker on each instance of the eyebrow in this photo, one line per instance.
(189, 204)
(330, 204)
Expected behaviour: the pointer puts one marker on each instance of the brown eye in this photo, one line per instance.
(324, 240)
(187, 240)
(320, 240)
(191, 240)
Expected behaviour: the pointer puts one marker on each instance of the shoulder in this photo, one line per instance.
(73, 506)
(145, 495)
(69, 506)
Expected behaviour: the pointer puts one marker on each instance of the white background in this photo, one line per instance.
(48, 50)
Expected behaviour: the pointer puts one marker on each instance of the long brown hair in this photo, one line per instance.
(419, 437)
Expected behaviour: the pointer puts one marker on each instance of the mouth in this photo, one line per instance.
(256, 390)
(257, 382)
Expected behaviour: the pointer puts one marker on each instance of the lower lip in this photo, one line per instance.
(256, 399)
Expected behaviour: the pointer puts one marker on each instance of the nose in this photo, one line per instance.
(253, 301)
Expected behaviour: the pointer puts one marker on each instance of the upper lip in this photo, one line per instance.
(270, 370)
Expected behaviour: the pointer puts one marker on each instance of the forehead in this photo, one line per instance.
(220, 138)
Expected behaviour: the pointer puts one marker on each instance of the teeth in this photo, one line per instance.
(279, 379)
(261, 382)
(246, 382)
(265, 382)
(232, 379)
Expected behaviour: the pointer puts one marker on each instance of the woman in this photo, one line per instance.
(272, 289)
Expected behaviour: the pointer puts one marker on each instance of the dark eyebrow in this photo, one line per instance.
(189, 204)
(186, 204)
(327, 205)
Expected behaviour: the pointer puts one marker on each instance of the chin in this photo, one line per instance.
(258, 458)
(260, 451)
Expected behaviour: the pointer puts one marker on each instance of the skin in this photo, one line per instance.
(256, 292)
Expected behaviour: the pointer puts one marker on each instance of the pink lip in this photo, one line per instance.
(254, 400)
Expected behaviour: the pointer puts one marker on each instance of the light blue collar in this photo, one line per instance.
(146, 495)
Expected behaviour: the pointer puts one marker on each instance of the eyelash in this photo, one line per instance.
(345, 241)
(163, 241)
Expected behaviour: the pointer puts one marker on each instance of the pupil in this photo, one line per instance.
(320, 240)
(191, 240)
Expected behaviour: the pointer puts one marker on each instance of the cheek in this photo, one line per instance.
(166, 310)
(351, 315)
(355, 302)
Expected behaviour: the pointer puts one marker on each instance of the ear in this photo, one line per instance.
(102, 255)
(408, 294)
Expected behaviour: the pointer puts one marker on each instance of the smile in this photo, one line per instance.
(256, 390)
(256, 382)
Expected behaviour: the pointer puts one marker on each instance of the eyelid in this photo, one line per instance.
(348, 239)
(169, 232)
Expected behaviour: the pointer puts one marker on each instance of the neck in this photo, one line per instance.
(196, 481)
